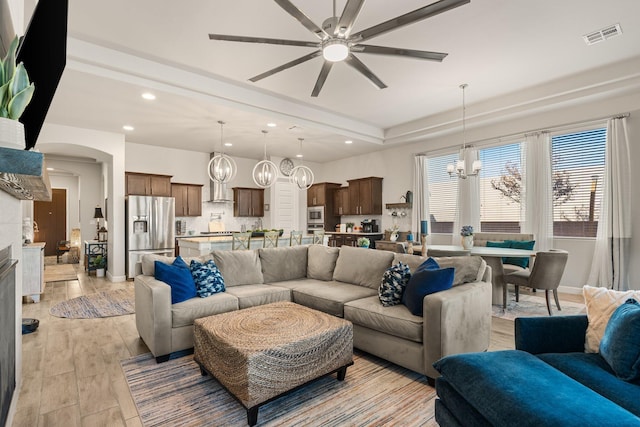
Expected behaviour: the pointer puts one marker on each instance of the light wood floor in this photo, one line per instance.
(71, 367)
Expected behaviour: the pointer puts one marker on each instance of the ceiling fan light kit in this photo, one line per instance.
(337, 44)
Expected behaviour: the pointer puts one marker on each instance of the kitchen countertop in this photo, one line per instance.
(34, 245)
(204, 238)
(359, 233)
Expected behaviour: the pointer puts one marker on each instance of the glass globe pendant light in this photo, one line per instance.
(301, 175)
(265, 172)
(222, 168)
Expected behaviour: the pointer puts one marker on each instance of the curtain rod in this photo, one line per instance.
(530, 132)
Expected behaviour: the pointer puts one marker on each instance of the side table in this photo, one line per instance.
(93, 248)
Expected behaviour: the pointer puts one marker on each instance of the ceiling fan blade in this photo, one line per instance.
(396, 51)
(358, 65)
(408, 18)
(349, 15)
(246, 39)
(287, 65)
(302, 18)
(324, 72)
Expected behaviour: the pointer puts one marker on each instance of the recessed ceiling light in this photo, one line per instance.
(348, 141)
(127, 127)
(299, 155)
(149, 96)
(228, 144)
(272, 125)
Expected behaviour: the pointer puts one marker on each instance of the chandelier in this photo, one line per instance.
(301, 175)
(460, 168)
(222, 168)
(265, 172)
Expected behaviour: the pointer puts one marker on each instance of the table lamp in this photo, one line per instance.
(97, 215)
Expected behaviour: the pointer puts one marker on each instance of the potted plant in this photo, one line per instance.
(99, 263)
(350, 227)
(15, 94)
(467, 236)
(363, 242)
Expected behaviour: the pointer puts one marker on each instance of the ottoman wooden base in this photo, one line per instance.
(261, 353)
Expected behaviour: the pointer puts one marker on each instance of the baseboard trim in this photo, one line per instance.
(570, 290)
(113, 278)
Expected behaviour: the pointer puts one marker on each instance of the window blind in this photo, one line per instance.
(443, 192)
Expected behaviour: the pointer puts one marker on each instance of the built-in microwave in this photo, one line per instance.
(315, 215)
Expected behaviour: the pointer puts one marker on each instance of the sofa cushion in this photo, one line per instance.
(184, 313)
(252, 295)
(468, 268)
(148, 261)
(207, 278)
(286, 263)
(601, 303)
(620, 345)
(394, 280)
(510, 386)
(239, 267)
(321, 261)
(517, 244)
(178, 277)
(593, 371)
(361, 266)
(330, 297)
(395, 320)
(427, 279)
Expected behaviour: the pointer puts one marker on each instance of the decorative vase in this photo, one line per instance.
(467, 242)
(11, 134)
(394, 236)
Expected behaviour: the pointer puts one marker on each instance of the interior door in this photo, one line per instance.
(51, 218)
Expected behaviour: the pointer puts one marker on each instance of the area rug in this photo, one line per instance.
(374, 392)
(534, 306)
(102, 304)
(59, 273)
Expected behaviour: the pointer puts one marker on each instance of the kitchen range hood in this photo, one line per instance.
(23, 174)
(219, 193)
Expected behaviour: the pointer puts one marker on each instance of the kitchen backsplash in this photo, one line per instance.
(221, 212)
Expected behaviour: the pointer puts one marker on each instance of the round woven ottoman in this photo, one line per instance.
(263, 352)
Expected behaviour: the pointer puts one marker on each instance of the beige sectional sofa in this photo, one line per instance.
(340, 281)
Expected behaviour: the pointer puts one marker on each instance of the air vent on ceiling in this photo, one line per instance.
(602, 35)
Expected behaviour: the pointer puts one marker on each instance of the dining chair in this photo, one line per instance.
(241, 241)
(318, 237)
(545, 274)
(295, 238)
(441, 253)
(271, 239)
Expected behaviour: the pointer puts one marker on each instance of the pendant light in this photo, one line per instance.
(460, 168)
(222, 168)
(265, 172)
(301, 175)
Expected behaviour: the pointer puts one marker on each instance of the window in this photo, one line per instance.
(500, 185)
(443, 192)
(578, 170)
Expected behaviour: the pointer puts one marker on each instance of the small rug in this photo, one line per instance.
(59, 273)
(102, 304)
(533, 306)
(374, 392)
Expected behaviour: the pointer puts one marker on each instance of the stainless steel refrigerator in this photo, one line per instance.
(149, 228)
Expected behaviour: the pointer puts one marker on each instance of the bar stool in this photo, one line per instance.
(271, 239)
(241, 241)
(318, 237)
(296, 238)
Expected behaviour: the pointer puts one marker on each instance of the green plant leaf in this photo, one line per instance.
(9, 61)
(20, 80)
(4, 96)
(20, 101)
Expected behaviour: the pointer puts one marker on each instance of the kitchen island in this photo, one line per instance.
(202, 245)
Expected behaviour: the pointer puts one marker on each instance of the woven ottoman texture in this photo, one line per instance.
(261, 352)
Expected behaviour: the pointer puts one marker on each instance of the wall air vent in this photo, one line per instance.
(602, 35)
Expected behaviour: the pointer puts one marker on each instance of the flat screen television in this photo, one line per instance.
(43, 49)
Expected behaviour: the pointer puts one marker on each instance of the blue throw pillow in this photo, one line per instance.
(207, 278)
(394, 281)
(620, 345)
(518, 244)
(178, 276)
(427, 279)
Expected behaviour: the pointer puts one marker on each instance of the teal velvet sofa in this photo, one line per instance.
(547, 381)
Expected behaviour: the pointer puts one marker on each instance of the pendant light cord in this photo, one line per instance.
(221, 136)
(264, 132)
(464, 117)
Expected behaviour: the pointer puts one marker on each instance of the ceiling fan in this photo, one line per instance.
(336, 43)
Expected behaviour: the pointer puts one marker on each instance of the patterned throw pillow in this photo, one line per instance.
(207, 277)
(394, 280)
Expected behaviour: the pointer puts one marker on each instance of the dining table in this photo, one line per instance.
(493, 257)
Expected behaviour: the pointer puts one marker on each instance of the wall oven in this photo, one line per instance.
(315, 215)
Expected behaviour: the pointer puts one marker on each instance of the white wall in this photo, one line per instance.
(395, 164)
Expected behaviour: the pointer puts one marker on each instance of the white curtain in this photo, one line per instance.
(536, 195)
(420, 211)
(610, 264)
(468, 212)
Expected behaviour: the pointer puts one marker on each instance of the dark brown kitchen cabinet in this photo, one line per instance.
(188, 199)
(248, 202)
(144, 184)
(365, 196)
(341, 201)
(321, 194)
